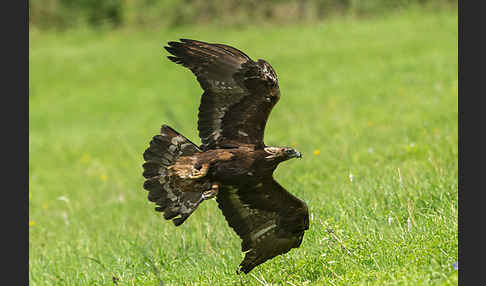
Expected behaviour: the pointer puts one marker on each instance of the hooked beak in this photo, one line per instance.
(298, 155)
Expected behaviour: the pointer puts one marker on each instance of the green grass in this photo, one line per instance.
(377, 97)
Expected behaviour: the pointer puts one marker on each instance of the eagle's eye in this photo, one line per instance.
(289, 151)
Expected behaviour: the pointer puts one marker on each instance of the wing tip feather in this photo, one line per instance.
(185, 40)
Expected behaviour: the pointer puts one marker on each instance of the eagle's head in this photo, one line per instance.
(281, 154)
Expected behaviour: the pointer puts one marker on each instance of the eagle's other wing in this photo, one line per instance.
(239, 93)
(269, 220)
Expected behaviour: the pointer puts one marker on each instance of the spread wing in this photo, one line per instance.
(269, 220)
(239, 93)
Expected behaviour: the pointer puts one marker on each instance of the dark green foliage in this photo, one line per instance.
(96, 12)
(63, 14)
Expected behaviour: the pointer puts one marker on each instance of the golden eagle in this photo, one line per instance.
(233, 163)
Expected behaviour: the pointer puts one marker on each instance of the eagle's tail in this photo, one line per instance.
(163, 152)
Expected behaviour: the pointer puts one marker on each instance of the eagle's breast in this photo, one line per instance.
(244, 165)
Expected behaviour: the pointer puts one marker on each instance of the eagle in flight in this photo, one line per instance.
(232, 164)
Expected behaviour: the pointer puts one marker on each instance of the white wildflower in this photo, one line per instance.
(63, 198)
(65, 216)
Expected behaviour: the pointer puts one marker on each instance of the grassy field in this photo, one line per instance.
(371, 104)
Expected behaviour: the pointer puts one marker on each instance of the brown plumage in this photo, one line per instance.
(233, 163)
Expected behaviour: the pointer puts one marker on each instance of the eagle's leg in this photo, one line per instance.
(199, 173)
(211, 193)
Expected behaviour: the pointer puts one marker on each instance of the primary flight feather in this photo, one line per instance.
(232, 164)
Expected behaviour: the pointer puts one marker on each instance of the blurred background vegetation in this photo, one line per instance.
(65, 14)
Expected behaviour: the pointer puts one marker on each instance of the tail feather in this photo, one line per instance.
(164, 150)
